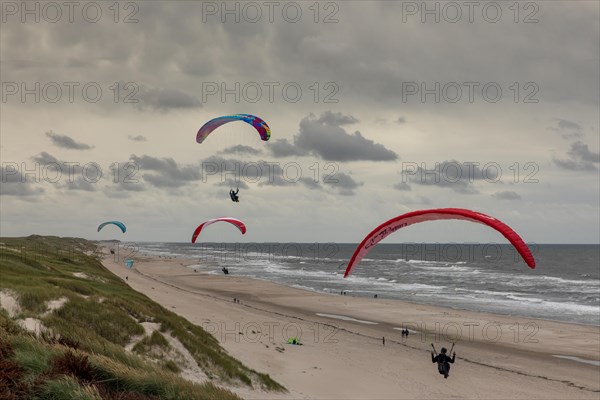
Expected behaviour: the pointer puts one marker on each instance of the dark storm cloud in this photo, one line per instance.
(507, 195)
(174, 43)
(66, 142)
(324, 137)
(580, 158)
(168, 174)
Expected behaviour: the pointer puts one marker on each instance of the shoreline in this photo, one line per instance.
(402, 301)
(408, 302)
(275, 306)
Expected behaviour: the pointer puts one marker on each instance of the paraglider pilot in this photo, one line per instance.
(443, 361)
(234, 195)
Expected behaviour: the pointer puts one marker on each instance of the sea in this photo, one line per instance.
(564, 286)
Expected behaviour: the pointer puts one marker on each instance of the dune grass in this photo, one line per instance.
(101, 315)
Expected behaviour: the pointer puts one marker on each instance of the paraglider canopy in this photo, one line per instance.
(117, 223)
(415, 217)
(258, 124)
(239, 224)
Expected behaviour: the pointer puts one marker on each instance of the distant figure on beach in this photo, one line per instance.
(234, 195)
(375, 296)
(443, 362)
(127, 278)
(225, 270)
(234, 300)
(383, 340)
(404, 332)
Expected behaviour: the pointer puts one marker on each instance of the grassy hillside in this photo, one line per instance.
(81, 350)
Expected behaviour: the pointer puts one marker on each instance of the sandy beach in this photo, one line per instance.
(343, 355)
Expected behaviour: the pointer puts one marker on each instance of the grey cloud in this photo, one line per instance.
(401, 120)
(580, 158)
(332, 143)
(45, 158)
(421, 200)
(241, 149)
(66, 142)
(165, 99)
(568, 129)
(283, 148)
(138, 138)
(402, 186)
(344, 183)
(80, 184)
(168, 173)
(261, 172)
(56, 166)
(253, 172)
(565, 124)
(232, 183)
(452, 174)
(310, 183)
(14, 183)
(581, 151)
(507, 195)
(336, 119)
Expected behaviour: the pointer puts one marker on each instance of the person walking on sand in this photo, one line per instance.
(443, 361)
(383, 340)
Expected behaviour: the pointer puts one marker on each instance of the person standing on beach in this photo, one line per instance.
(383, 340)
(443, 362)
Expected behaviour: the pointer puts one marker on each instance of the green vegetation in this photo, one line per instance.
(81, 353)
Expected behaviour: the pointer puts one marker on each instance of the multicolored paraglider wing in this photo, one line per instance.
(117, 223)
(258, 124)
(239, 224)
(388, 227)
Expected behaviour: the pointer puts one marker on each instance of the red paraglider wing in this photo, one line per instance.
(385, 229)
(239, 224)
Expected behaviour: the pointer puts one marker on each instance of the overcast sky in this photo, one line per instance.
(375, 109)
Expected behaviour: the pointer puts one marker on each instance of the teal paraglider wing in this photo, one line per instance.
(117, 223)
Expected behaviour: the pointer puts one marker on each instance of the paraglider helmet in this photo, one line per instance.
(443, 350)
